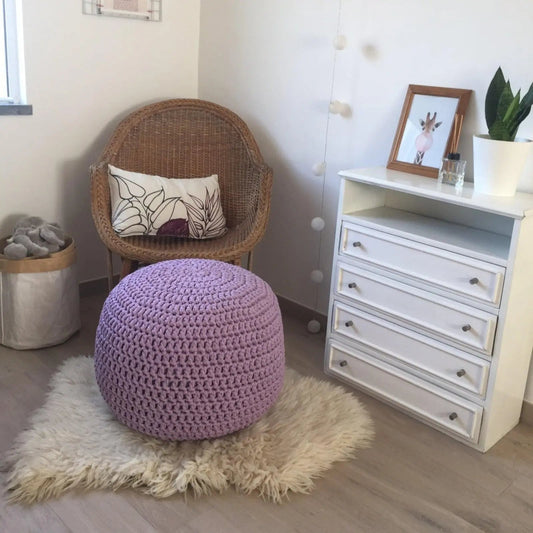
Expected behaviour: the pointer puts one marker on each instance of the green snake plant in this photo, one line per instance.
(504, 111)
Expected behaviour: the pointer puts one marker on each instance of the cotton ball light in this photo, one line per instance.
(313, 326)
(319, 168)
(335, 107)
(340, 108)
(318, 223)
(339, 43)
(317, 276)
(371, 52)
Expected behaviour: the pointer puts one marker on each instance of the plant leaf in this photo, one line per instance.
(512, 110)
(520, 117)
(527, 101)
(523, 111)
(500, 132)
(493, 97)
(506, 98)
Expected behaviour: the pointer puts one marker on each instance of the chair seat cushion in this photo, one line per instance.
(151, 249)
(152, 205)
(190, 349)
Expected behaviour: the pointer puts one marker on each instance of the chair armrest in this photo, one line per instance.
(253, 227)
(101, 202)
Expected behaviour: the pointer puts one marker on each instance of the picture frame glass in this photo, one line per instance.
(441, 113)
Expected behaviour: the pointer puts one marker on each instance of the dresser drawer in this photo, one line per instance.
(453, 272)
(458, 416)
(446, 364)
(439, 316)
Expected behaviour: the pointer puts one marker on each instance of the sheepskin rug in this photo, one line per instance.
(75, 442)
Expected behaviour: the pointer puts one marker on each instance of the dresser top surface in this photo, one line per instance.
(518, 206)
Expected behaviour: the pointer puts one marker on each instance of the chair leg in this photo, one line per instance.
(128, 266)
(109, 270)
(250, 262)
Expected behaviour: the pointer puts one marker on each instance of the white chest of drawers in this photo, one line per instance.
(431, 305)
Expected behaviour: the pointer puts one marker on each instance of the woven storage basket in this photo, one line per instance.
(39, 299)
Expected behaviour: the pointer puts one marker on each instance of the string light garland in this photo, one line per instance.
(317, 276)
(318, 223)
(319, 169)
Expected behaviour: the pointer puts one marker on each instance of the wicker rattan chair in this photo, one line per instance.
(185, 139)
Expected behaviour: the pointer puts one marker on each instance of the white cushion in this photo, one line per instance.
(151, 205)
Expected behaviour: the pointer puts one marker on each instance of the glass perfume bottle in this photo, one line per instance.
(452, 170)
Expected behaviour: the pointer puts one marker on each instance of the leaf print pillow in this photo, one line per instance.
(152, 205)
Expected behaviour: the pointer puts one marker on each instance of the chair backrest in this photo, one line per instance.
(189, 138)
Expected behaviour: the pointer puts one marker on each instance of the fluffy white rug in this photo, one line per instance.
(74, 441)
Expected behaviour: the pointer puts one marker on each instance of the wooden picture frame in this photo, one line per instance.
(429, 128)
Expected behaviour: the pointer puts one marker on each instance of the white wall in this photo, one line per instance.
(84, 73)
(272, 62)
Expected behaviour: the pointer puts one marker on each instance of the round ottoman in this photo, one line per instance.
(190, 349)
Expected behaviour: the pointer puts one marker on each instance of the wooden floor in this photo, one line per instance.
(413, 479)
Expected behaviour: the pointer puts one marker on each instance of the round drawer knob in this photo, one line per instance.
(461, 373)
(343, 363)
(474, 281)
(452, 416)
(352, 285)
(357, 244)
(467, 327)
(348, 324)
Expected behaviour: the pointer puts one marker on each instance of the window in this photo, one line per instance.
(12, 81)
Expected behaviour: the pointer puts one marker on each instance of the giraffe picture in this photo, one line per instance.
(424, 141)
(427, 127)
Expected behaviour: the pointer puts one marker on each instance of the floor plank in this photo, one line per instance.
(29, 519)
(86, 512)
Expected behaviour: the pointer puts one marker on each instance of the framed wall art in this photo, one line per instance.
(429, 128)
(138, 9)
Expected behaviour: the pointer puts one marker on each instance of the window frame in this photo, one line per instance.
(15, 103)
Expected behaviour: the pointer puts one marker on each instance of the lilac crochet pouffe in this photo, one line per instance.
(190, 349)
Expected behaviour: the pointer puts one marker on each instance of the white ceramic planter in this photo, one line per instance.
(498, 165)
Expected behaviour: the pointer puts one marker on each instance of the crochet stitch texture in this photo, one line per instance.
(190, 349)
